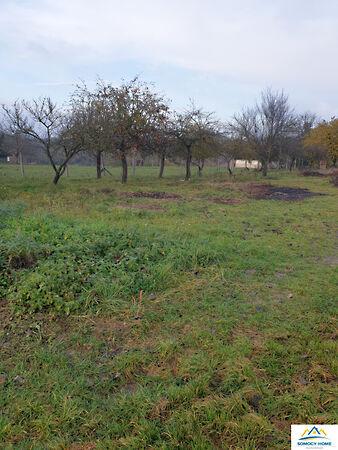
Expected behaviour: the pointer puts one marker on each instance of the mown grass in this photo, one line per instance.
(232, 340)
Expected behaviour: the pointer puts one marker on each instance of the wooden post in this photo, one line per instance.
(22, 169)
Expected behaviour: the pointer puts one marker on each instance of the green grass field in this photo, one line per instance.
(205, 320)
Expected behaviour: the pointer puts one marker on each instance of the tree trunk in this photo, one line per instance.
(98, 164)
(188, 164)
(57, 176)
(103, 167)
(162, 162)
(22, 169)
(133, 162)
(264, 168)
(124, 167)
(59, 171)
(229, 168)
(200, 167)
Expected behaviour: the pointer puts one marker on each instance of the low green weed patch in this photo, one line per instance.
(69, 266)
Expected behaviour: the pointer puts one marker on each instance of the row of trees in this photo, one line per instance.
(133, 119)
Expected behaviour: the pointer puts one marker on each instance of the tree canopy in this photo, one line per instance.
(325, 136)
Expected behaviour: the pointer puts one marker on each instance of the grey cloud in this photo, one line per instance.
(279, 42)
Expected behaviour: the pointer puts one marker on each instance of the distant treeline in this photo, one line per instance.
(133, 124)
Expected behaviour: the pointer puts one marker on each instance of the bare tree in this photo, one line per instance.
(48, 125)
(192, 129)
(265, 125)
(69, 142)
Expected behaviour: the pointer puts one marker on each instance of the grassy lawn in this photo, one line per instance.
(202, 320)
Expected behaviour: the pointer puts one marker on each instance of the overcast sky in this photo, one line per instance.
(221, 53)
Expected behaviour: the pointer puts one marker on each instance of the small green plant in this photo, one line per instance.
(70, 266)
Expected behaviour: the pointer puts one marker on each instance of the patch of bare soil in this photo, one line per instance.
(106, 190)
(320, 172)
(163, 369)
(269, 192)
(313, 173)
(225, 201)
(331, 261)
(103, 326)
(282, 425)
(147, 207)
(22, 261)
(160, 410)
(154, 194)
(319, 372)
(255, 336)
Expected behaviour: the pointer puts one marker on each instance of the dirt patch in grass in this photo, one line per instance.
(103, 326)
(255, 336)
(318, 372)
(313, 173)
(163, 369)
(154, 194)
(157, 370)
(106, 190)
(147, 207)
(22, 261)
(331, 261)
(269, 192)
(225, 201)
(57, 327)
(320, 173)
(281, 425)
(160, 410)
